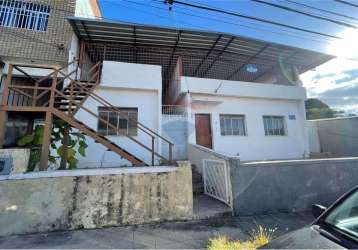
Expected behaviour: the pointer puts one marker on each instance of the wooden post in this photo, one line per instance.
(34, 96)
(3, 111)
(48, 128)
(65, 141)
(46, 142)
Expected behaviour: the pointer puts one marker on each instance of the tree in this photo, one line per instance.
(316, 109)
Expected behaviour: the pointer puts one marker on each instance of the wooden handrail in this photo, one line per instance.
(29, 87)
(106, 103)
(22, 92)
(112, 126)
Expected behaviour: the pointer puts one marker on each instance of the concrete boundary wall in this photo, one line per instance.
(197, 153)
(292, 185)
(94, 198)
(336, 136)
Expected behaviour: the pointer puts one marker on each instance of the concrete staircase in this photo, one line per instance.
(198, 184)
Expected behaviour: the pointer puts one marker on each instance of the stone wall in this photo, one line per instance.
(94, 198)
(289, 186)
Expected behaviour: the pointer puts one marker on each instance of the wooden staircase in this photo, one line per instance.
(66, 102)
(99, 138)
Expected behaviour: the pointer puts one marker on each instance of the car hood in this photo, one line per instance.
(307, 237)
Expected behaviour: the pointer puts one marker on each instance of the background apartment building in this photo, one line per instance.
(37, 32)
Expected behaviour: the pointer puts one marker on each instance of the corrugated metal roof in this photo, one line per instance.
(199, 50)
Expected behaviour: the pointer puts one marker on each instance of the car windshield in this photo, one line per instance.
(345, 216)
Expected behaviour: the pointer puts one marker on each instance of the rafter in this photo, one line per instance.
(207, 54)
(247, 62)
(219, 55)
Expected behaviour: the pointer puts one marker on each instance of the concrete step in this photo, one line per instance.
(198, 189)
(206, 207)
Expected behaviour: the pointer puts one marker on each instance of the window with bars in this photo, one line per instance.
(274, 125)
(232, 125)
(123, 126)
(24, 14)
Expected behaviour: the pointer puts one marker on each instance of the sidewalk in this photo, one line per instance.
(191, 234)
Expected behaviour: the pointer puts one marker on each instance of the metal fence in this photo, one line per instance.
(174, 110)
(217, 182)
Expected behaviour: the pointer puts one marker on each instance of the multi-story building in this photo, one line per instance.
(236, 95)
(37, 33)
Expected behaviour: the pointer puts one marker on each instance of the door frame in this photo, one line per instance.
(211, 128)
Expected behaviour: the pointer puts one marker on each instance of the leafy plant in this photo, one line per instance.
(64, 141)
(34, 141)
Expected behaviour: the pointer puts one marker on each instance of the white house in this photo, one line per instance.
(235, 95)
(256, 121)
(142, 93)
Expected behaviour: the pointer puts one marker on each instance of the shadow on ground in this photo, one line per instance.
(191, 234)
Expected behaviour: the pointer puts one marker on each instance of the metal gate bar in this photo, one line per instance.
(217, 184)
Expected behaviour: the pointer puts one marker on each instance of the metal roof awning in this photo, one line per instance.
(203, 53)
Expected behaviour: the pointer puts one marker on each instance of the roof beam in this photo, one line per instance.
(207, 54)
(248, 61)
(285, 59)
(135, 43)
(219, 55)
(86, 31)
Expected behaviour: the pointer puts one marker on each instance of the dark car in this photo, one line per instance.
(335, 227)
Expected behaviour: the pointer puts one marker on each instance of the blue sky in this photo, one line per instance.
(335, 82)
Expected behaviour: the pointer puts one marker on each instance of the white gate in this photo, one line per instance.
(217, 184)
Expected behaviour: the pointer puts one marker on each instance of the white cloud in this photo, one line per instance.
(336, 83)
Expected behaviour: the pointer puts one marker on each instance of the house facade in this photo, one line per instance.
(141, 93)
(255, 121)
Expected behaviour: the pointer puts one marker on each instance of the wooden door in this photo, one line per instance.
(203, 130)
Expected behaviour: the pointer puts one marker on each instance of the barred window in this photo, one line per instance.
(23, 14)
(274, 125)
(123, 126)
(232, 125)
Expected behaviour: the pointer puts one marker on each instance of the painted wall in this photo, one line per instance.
(338, 136)
(174, 128)
(146, 102)
(132, 86)
(242, 89)
(131, 75)
(290, 186)
(94, 198)
(87, 9)
(255, 145)
(313, 138)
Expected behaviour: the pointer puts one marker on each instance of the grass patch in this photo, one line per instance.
(257, 238)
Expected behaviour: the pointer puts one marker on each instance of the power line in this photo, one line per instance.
(285, 32)
(347, 3)
(306, 13)
(146, 12)
(250, 17)
(322, 10)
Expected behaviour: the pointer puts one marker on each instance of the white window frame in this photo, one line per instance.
(129, 111)
(239, 117)
(272, 121)
(24, 15)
